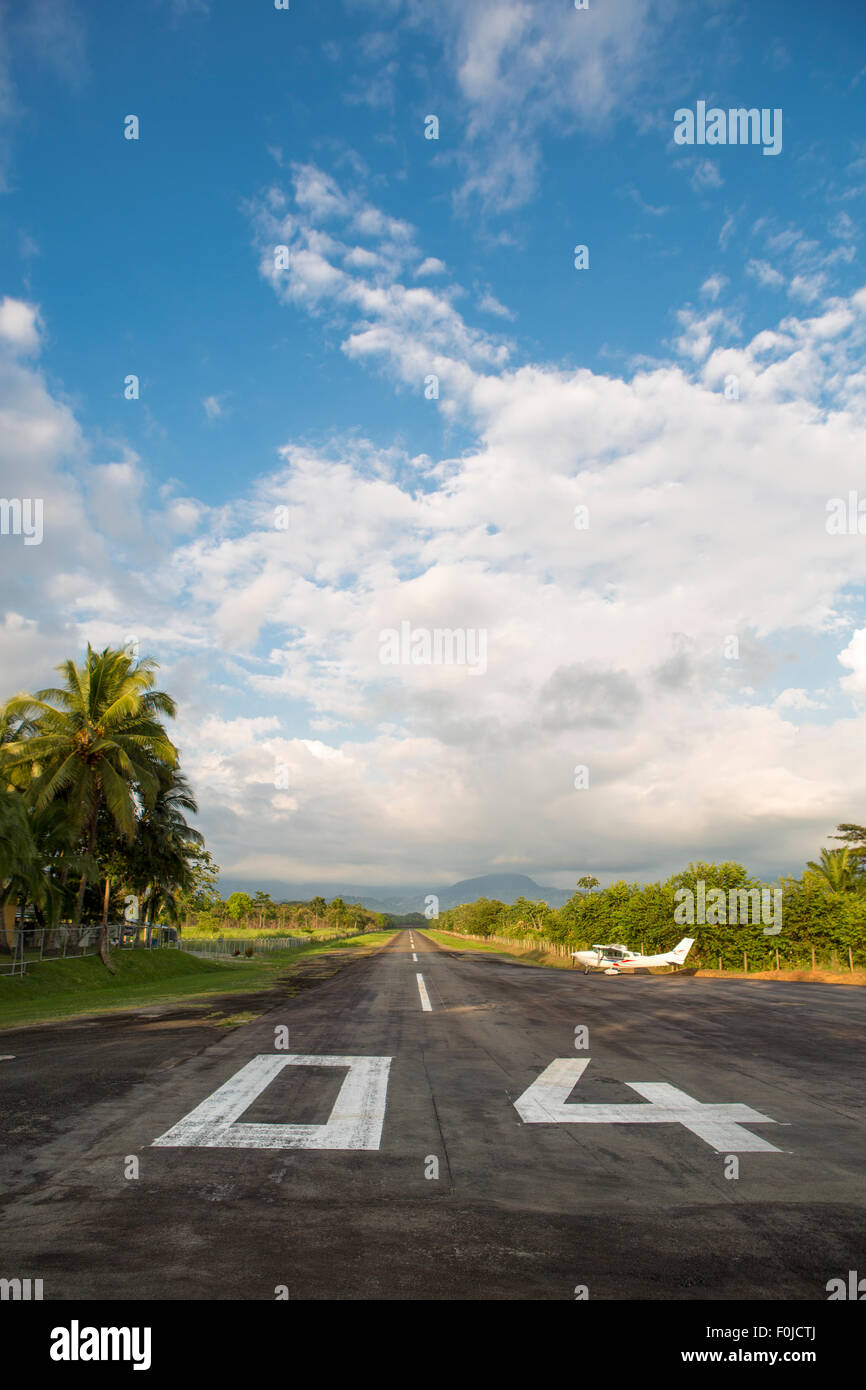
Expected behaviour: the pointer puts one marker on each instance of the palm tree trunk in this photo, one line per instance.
(82, 883)
(79, 901)
(104, 953)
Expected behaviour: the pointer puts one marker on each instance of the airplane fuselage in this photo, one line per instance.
(613, 959)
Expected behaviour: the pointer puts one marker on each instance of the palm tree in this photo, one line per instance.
(96, 742)
(160, 857)
(837, 870)
(855, 838)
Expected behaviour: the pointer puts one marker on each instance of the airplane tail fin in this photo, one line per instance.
(681, 950)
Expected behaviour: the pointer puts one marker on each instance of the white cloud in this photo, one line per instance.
(19, 325)
(489, 304)
(713, 286)
(765, 274)
(431, 265)
(854, 657)
(522, 67)
(809, 288)
(699, 331)
(703, 173)
(605, 645)
(796, 698)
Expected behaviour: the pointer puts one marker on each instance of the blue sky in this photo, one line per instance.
(557, 386)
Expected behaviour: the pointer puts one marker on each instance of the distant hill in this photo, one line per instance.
(505, 888)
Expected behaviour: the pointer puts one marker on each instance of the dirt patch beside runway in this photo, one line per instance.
(820, 977)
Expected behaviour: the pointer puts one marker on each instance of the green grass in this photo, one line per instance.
(250, 934)
(537, 956)
(370, 938)
(462, 943)
(64, 988)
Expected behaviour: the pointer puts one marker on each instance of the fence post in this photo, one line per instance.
(777, 958)
(813, 957)
(720, 962)
(851, 958)
(745, 962)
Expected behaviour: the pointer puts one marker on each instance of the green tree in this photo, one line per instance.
(161, 854)
(202, 893)
(263, 906)
(855, 838)
(239, 905)
(836, 870)
(96, 742)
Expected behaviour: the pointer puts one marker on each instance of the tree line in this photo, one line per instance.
(207, 911)
(822, 913)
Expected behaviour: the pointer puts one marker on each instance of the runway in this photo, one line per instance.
(455, 1126)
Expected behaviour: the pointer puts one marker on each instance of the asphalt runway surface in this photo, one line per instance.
(252, 1193)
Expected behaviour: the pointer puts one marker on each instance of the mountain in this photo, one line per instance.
(505, 888)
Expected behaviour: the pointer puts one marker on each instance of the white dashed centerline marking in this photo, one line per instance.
(425, 997)
(414, 957)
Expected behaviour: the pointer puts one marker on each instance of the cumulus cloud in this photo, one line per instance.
(19, 325)
(702, 518)
(854, 657)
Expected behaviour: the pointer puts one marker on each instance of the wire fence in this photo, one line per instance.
(29, 945)
(523, 943)
(222, 946)
(33, 944)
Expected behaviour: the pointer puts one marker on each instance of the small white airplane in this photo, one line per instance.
(613, 959)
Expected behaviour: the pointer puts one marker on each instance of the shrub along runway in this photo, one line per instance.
(250, 1190)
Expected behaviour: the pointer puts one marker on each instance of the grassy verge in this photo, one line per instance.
(537, 956)
(65, 988)
(249, 934)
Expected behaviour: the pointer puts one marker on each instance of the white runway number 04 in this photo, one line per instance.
(355, 1121)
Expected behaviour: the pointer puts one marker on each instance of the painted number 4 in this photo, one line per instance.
(546, 1102)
